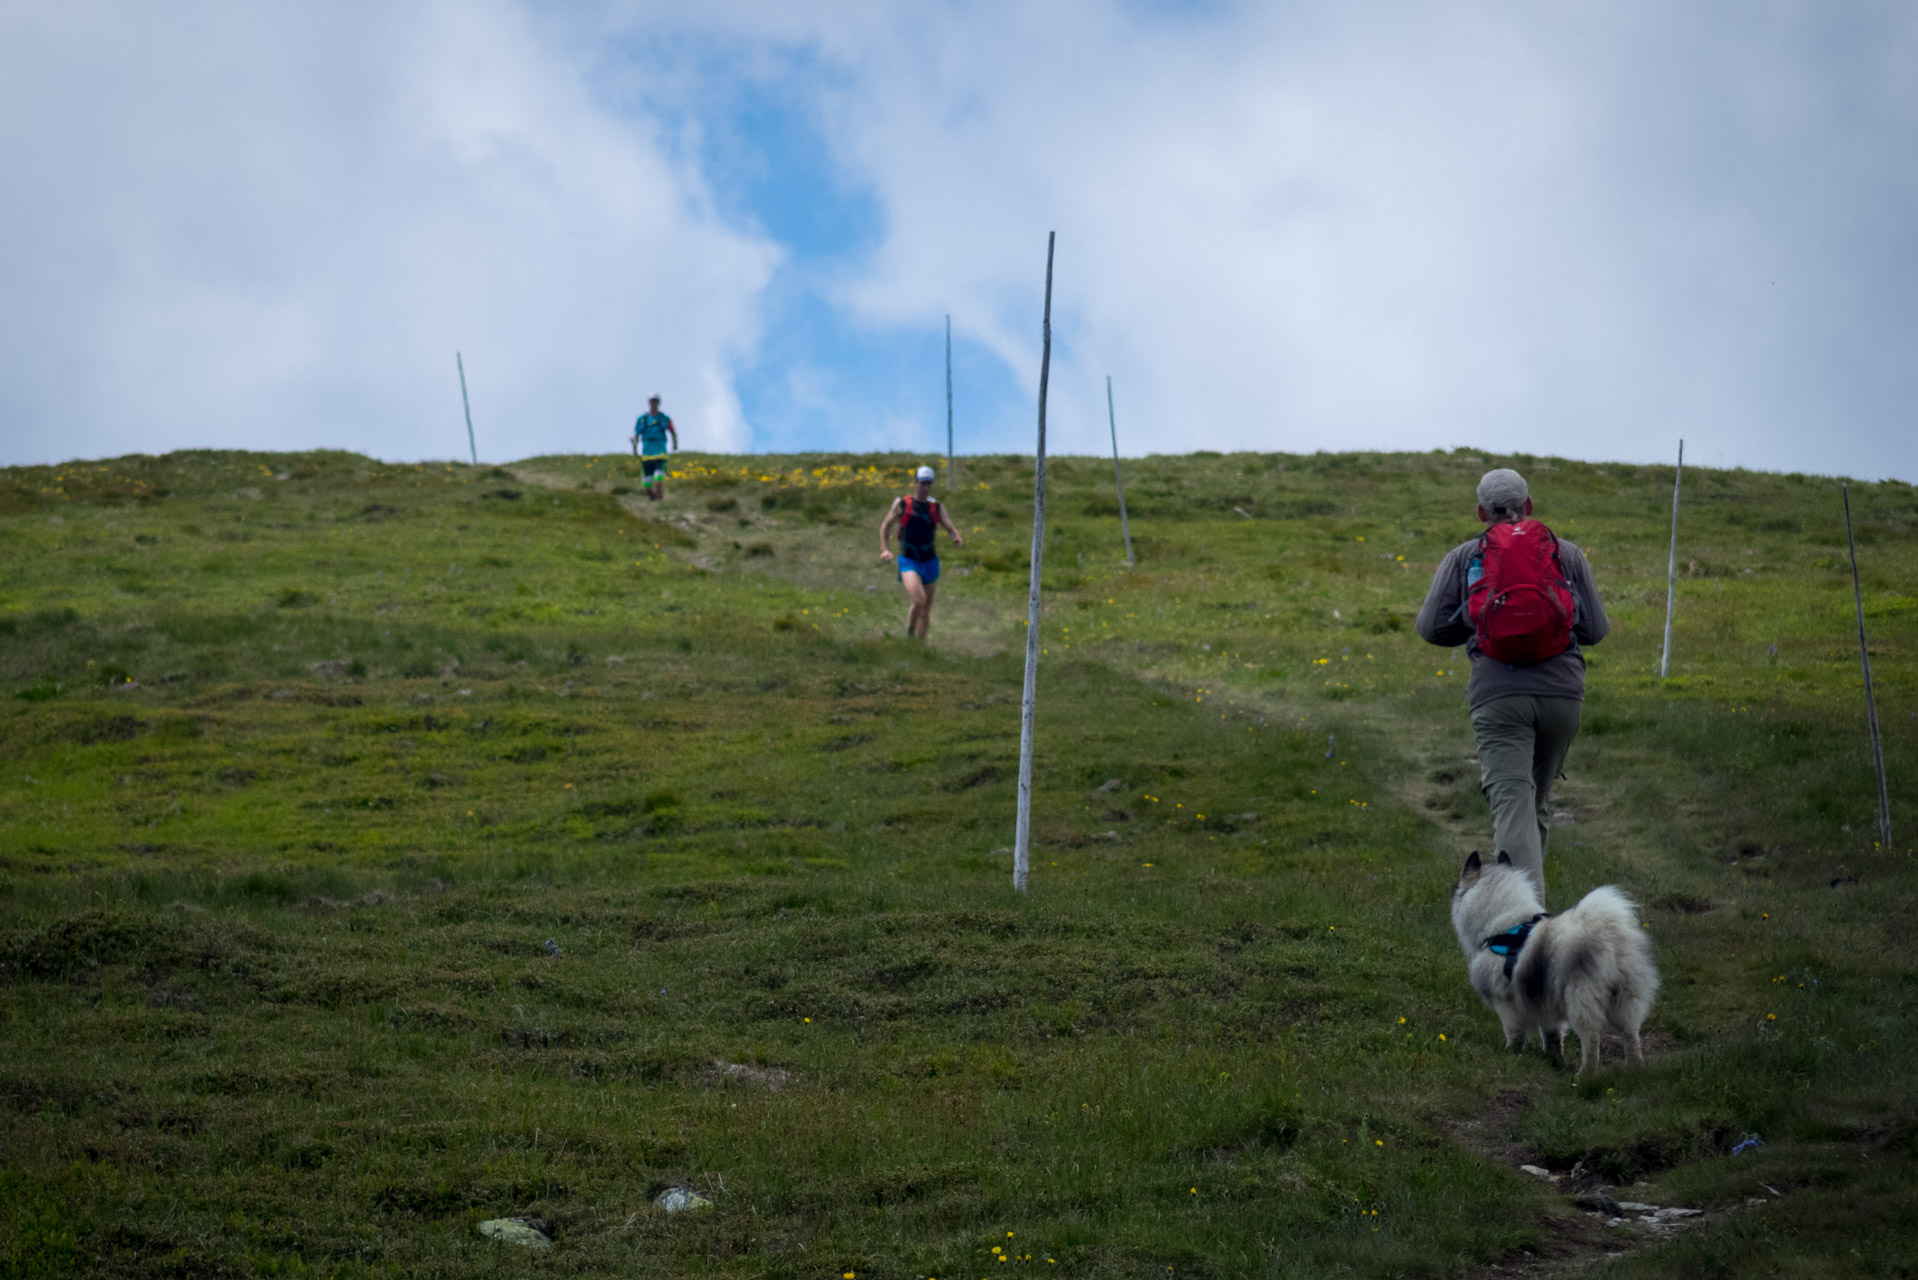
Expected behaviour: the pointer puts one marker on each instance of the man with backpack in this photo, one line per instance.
(1522, 601)
(919, 516)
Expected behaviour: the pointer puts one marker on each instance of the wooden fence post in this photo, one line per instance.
(949, 472)
(1112, 421)
(1871, 703)
(468, 406)
(1671, 571)
(1022, 837)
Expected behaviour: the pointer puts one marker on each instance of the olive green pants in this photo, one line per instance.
(1522, 741)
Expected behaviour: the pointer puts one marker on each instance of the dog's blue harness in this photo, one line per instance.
(1511, 943)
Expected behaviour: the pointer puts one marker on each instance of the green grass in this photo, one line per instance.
(308, 757)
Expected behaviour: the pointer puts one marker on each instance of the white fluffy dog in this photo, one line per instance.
(1588, 969)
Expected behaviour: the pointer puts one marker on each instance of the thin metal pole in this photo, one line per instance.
(1871, 703)
(1125, 526)
(457, 359)
(1023, 833)
(948, 404)
(1671, 572)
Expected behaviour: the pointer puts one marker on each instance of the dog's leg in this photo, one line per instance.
(1589, 1041)
(1632, 1044)
(1553, 1042)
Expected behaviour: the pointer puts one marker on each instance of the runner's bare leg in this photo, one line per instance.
(921, 596)
(925, 609)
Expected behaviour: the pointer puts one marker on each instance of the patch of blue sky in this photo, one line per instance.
(823, 381)
(820, 378)
(769, 166)
(1180, 11)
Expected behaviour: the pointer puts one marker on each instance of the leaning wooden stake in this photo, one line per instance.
(948, 404)
(1023, 833)
(1871, 703)
(468, 405)
(1671, 572)
(1118, 479)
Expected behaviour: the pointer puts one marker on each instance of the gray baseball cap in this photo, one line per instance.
(927, 473)
(1503, 492)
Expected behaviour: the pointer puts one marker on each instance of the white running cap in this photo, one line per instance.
(927, 474)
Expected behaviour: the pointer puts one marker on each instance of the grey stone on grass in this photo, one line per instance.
(680, 1200)
(515, 1231)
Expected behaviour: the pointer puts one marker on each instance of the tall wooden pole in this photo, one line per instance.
(1671, 571)
(1871, 703)
(468, 405)
(1023, 834)
(948, 404)
(1112, 420)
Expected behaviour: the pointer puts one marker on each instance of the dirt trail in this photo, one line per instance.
(837, 558)
(1431, 770)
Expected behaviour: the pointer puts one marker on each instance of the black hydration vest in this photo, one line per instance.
(918, 522)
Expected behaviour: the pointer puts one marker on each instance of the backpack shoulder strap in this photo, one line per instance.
(1461, 613)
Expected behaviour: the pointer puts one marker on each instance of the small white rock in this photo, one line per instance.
(514, 1231)
(680, 1199)
(1536, 1172)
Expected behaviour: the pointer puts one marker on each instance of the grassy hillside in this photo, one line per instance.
(389, 848)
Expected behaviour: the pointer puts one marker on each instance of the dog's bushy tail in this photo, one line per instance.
(1609, 902)
(1612, 916)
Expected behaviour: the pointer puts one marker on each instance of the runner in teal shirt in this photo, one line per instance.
(649, 446)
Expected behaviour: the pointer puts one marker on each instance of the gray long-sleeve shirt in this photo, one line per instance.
(1442, 621)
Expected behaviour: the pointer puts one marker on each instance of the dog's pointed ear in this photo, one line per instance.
(1504, 858)
(1469, 876)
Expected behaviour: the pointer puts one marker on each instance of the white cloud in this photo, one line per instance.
(271, 226)
(1579, 228)
(1583, 228)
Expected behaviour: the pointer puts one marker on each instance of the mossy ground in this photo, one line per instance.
(310, 757)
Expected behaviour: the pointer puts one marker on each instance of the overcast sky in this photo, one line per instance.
(1572, 228)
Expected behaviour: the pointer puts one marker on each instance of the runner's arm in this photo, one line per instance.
(673, 431)
(945, 518)
(885, 530)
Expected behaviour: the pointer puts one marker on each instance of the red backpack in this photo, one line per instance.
(1521, 607)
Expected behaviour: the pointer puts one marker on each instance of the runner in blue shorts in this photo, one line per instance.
(649, 434)
(918, 515)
